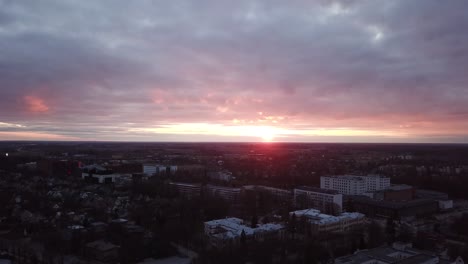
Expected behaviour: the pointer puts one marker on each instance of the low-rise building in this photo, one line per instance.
(393, 209)
(221, 175)
(101, 178)
(103, 251)
(398, 253)
(230, 230)
(323, 223)
(99, 174)
(400, 192)
(430, 194)
(445, 204)
(442, 198)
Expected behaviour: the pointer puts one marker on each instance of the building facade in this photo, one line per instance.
(280, 196)
(187, 190)
(327, 201)
(226, 193)
(354, 185)
(154, 169)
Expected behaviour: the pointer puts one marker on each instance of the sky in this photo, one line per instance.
(291, 71)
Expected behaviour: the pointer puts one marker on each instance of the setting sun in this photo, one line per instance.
(266, 133)
(268, 138)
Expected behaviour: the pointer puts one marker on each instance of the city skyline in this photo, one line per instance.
(302, 71)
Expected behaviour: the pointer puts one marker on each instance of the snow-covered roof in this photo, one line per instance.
(315, 216)
(95, 167)
(355, 177)
(232, 227)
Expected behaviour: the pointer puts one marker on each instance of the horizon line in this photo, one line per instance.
(231, 142)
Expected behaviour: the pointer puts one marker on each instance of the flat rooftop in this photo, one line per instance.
(387, 254)
(421, 258)
(185, 184)
(399, 187)
(263, 187)
(395, 187)
(101, 245)
(392, 204)
(316, 216)
(232, 227)
(210, 186)
(355, 177)
(316, 189)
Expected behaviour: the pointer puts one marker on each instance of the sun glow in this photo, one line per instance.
(263, 133)
(267, 134)
(268, 138)
(258, 133)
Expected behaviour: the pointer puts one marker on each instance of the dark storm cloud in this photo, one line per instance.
(84, 68)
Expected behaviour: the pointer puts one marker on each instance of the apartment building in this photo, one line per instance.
(354, 185)
(328, 201)
(227, 193)
(187, 190)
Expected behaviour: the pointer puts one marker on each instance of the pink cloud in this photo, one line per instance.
(35, 104)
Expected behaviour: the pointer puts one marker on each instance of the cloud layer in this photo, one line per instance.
(392, 71)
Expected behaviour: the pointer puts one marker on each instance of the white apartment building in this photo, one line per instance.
(153, 169)
(329, 223)
(355, 185)
(329, 201)
(150, 169)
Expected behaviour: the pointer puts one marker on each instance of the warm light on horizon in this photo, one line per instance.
(219, 132)
(267, 134)
(261, 133)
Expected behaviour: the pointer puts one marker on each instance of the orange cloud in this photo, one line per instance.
(35, 104)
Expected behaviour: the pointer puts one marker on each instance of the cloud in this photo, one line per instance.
(100, 69)
(34, 136)
(35, 104)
